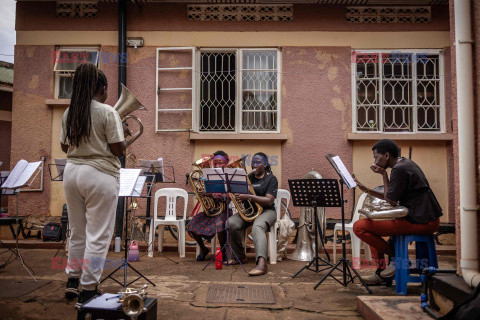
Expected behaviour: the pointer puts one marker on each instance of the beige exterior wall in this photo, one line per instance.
(357, 40)
(57, 196)
(430, 156)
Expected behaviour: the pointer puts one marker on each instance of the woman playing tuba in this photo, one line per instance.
(265, 185)
(205, 226)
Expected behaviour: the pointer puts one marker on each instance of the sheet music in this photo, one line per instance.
(108, 301)
(3, 177)
(20, 175)
(216, 178)
(147, 166)
(347, 177)
(235, 174)
(137, 191)
(128, 179)
(60, 164)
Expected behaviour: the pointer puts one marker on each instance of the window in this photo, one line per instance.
(233, 90)
(66, 61)
(400, 92)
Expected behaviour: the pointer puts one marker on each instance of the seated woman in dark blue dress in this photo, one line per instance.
(202, 226)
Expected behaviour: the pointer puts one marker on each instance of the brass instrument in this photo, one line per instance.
(126, 104)
(211, 208)
(305, 248)
(248, 209)
(378, 209)
(132, 301)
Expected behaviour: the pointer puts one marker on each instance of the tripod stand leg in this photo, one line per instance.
(320, 233)
(20, 258)
(141, 275)
(329, 273)
(306, 267)
(349, 266)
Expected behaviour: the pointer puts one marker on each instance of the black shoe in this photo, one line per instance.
(86, 295)
(71, 291)
(203, 254)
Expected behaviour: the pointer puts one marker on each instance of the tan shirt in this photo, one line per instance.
(106, 128)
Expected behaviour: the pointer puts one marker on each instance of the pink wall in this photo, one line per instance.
(316, 108)
(32, 119)
(157, 16)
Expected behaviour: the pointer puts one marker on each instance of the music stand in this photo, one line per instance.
(125, 264)
(315, 193)
(347, 267)
(30, 177)
(60, 167)
(224, 186)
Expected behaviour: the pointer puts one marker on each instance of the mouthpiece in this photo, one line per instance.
(253, 171)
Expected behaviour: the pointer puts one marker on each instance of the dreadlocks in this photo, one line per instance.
(86, 82)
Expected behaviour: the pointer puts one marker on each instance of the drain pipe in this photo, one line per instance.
(466, 143)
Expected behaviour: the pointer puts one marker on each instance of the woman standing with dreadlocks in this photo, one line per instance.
(265, 185)
(93, 138)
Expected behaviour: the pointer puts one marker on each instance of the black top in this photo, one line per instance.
(267, 184)
(409, 186)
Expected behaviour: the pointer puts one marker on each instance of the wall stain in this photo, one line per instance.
(287, 130)
(336, 88)
(31, 51)
(332, 73)
(324, 58)
(340, 106)
(33, 84)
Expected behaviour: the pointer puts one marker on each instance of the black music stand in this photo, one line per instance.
(125, 264)
(315, 193)
(225, 186)
(347, 267)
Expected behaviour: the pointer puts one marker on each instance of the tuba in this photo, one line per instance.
(126, 104)
(248, 210)
(378, 209)
(210, 207)
(305, 248)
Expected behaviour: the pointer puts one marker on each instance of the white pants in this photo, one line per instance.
(91, 202)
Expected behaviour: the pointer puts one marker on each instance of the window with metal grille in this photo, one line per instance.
(67, 59)
(239, 90)
(399, 91)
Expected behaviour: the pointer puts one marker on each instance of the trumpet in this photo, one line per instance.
(126, 104)
(132, 301)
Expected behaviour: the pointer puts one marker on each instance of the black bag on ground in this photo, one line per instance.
(52, 232)
(468, 309)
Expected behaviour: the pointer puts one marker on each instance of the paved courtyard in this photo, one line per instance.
(182, 286)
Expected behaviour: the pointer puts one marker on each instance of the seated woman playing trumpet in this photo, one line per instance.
(202, 226)
(265, 185)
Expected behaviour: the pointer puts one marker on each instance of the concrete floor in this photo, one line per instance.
(181, 289)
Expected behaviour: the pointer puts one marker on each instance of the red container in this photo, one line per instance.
(218, 259)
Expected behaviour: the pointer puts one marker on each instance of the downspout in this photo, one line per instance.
(466, 143)
(122, 79)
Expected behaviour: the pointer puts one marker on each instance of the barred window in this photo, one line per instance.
(398, 91)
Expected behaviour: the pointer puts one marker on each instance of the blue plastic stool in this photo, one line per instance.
(426, 255)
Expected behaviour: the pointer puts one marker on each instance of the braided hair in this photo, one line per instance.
(268, 167)
(86, 82)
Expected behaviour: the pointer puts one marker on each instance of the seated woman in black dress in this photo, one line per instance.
(202, 226)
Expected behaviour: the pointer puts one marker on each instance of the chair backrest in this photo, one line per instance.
(281, 194)
(171, 208)
(356, 214)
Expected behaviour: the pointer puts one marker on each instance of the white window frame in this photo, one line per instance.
(239, 90)
(196, 112)
(62, 73)
(441, 72)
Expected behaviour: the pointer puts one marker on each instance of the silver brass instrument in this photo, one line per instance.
(378, 209)
(211, 208)
(126, 104)
(248, 210)
(132, 301)
(305, 248)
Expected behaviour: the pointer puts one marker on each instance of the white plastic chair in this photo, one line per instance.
(272, 233)
(356, 242)
(170, 219)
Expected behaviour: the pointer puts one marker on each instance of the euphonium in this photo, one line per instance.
(378, 209)
(248, 209)
(305, 248)
(211, 208)
(126, 104)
